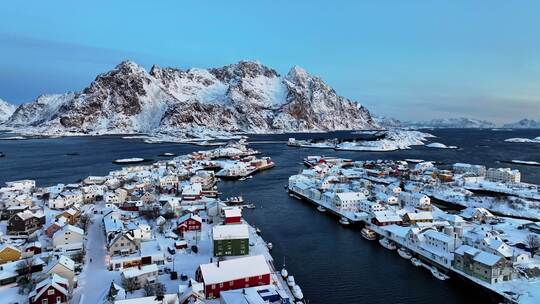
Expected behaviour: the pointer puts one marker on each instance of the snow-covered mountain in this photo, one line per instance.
(461, 122)
(524, 124)
(246, 96)
(6, 110)
(387, 122)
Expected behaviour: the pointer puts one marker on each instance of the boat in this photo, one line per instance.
(416, 262)
(258, 231)
(321, 209)
(344, 221)
(404, 253)
(297, 292)
(386, 243)
(2, 154)
(368, 234)
(290, 281)
(439, 275)
(167, 154)
(250, 206)
(133, 160)
(235, 200)
(284, 272)
(270, 246)
(242, 178)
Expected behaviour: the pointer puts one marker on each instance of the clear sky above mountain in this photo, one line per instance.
(407, 59)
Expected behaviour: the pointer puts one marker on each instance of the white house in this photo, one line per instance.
(66, 199)
(503, 175)
(477, 170)
(142, 274)
(64, 267)
(415, 199)
(68, 239)
(348, 201)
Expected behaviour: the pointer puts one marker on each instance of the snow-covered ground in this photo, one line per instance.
(523, 140)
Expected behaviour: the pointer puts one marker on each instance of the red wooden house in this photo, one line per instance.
(233, 274)
(34, 247)
(189, 222)
(53, 290)
(233, 215)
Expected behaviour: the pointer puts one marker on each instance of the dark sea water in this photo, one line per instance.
(331, 263)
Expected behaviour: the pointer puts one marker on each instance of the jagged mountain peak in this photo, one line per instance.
(246, 96)
(6, 110)
(243, 69)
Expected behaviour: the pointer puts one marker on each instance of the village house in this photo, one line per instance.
(33, 248)
(71, 215)
(141, 274)
(232, 215)
(55, 226)
(117, 196)
(25, 223)
(230, 240)
(9, 272)
(503, 175)
(189, 222)
(233, 274)
(9, 253)
(370, 206)
(10, 211)
(348, 201)
(192, 191)
(488, 267)
(418, 217)
(92, 193)
(415, 199)
(25, 185)
(69, 239)
(66, 199)
(384, 218)
(476, 170)
(53, 290)
(64, 267)
(123, 244)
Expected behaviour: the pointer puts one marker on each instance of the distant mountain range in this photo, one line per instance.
(6, 110)
(524, 124)
(242, 97)
(462, 122)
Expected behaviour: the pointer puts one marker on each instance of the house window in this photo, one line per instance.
(58, 300)
(45, 301)
(50, 291)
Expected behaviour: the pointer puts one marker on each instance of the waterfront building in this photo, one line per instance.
(384, 218)
(9, 253)
(230, 240)
(476, 170)
(233, 274)
(348, 201)
(488, 267)
(503, 175)
(418, 217)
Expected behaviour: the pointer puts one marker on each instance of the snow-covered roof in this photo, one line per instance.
(230, 232)
(66, 262)
(234, 269)
(439, 236)
(189, 216)
(487, 258)
(386, 216)
(134, 272)
(150, 248)
(350, 196)
(467, 249)
(417, 216)
(233, 212)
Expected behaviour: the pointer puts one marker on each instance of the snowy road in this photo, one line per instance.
(95, 279)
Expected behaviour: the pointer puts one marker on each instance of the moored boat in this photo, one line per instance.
(270, 246)
(404, 253)
(344, 221)
(439, 275)
(133, 160)
(368, 234)
(416, 262)
(386, 243)
(297, 292)
(321, 209)
(290, 281)
(284, 272)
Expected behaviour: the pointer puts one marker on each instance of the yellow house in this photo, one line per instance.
(71, 215)
(9, 253)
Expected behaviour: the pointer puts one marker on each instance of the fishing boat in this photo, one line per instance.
(167, 154)
(344, 221)
(297, 292)
(290, 281)
(368, 234)
(404, 253)
(284, 272)
(270, 246)
(250, 206)
(133, 160)
(258, 231)
(321, 209)
(386, 243)
(242, 178)
(439, 275)
(235, 200)
(416, 262)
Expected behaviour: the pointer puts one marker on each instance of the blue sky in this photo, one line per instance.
(407, 59)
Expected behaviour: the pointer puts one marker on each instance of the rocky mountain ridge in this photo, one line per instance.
(242, 97)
